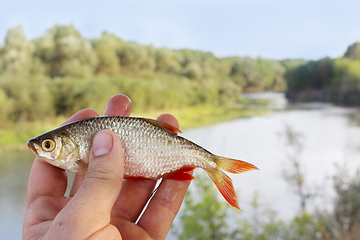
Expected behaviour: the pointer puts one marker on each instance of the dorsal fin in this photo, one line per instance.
(165, 126)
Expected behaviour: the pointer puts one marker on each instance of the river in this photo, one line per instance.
(330, 136)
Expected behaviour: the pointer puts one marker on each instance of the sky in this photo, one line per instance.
(274, 29)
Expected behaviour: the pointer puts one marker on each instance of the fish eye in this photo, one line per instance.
(48, 145)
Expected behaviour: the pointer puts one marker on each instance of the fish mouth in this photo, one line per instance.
(32, 147)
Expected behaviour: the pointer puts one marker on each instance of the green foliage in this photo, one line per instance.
(6, 107)
(193, 71)
(264, 223)
(293, 172)
(205, 218)
(16, 55)
(135, 57)
(168, 61)
(333, 80)
(29, 99)
(304, 226)
(353, 51)
(258, 74)
(65, 53)
(108, 48)
(71, 73)
(313, 75)
(347, 204)
(347, 75)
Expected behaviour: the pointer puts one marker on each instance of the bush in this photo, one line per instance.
(30, 96)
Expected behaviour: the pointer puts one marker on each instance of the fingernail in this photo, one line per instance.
(102, 144)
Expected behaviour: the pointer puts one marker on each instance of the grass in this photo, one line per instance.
(209, 115)
(16, 136)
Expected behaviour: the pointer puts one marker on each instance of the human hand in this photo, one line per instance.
(100, 204)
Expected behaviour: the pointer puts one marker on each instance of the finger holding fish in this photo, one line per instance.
(82, 114)
(167, 200)
(117, 105)
(46, 188)
(135, 193)
(163, 206)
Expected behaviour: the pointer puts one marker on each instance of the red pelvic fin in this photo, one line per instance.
(181, 174)
(225, 186)
(233, 165)
(166, 127)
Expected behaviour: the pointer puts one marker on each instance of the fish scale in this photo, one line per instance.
(152, 150)
(144, 144)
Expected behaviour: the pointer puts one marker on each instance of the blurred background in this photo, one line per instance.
(275, 83)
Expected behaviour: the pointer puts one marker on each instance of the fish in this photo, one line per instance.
(152, 150)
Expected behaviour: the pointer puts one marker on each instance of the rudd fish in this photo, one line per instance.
(152, 150)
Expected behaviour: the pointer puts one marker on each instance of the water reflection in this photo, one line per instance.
(14, 174)
(277, 101)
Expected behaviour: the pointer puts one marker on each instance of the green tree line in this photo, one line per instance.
(62, 72)
(333, 80)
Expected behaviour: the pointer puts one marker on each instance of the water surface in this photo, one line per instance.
(328, 136)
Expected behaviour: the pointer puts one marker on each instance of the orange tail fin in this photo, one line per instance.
(232, 165)
(225, 186)
(223, 182)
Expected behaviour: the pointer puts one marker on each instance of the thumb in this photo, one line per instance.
(103, 179)
(89, 211)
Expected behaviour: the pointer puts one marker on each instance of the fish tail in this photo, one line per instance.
(233, 165)
(225, 186)
(223, 182)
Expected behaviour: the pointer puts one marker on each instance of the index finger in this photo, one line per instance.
(117, 105)
(135, 194)
(165, 204)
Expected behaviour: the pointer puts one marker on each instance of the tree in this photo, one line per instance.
(257, 74)
(311, 76)
(136, 57)
(70, 54)
(353, 51)
(30, 99)
(6, 107)
(294, 174)
(193, 71)
(263, 225)
(16, 56)
(108, 47)
(167, 61)
(347, 204)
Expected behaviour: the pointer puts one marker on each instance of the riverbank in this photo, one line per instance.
(341, 98)
(16, 136)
